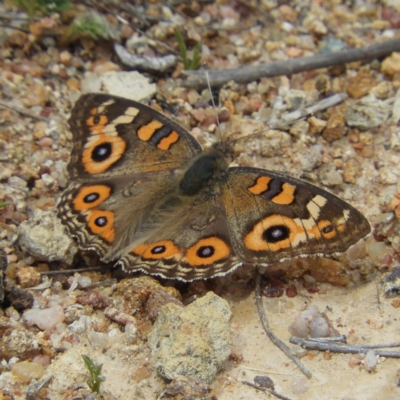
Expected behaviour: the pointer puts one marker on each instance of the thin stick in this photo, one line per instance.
(263, 389)
(24, 112)
(341, 339)
(277, 342)
(32, 395)
(15, 28)
(252, 73)
(17, 17)
(347, 348)
(213, 104)
(319, 106)
(70, 271)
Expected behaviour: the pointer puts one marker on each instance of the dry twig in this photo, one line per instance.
(24, 112)
(246, 74)
(32, 395)
(70, 271)
(315, 344)
(263, 389)
(154, 64)
(277, 342)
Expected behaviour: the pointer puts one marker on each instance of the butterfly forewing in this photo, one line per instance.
(115, 136)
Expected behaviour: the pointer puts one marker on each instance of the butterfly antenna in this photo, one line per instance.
(254, 134)
(213, 104)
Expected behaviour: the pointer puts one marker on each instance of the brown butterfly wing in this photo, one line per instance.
(113, 136)
(273, 216)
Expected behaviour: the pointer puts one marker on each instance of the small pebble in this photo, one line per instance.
(28, 277)
(17, 182)
(45, 319)
(370, 361)
(301, 386)
(131, 333)
(25, 371)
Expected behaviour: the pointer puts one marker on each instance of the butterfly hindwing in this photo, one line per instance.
(274, 216)
(194, 245)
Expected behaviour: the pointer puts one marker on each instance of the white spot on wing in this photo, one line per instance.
(123, 119)
(314, 209)
(103, 106)
(110, 130)
(346, 216)
(319, 200)
(306, 224)
(132, 111)
(297, 239)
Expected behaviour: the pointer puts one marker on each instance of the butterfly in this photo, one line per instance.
(143, 194)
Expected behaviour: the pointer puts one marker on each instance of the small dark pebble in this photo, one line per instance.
(212, 119)
(44, 169)
(392, 16)
(391, 285)
(95, 299)
(19, 299)
(63, 279)
(264, 381)
(291, 291)
(188, 388)
(273, 288)
(224, 116)
(201, 104)
(394, 274)
(272, 291)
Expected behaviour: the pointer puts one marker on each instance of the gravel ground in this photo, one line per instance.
(350, 147)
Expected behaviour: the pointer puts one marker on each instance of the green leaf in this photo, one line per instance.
(196, 57)
(44, 6)
(95, 374)
(182, 47)
(5, 203)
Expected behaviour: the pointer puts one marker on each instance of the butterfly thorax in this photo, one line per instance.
(206, 169)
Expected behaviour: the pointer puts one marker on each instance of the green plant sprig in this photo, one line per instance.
(188, 63)
(96, 378)
(44, 6)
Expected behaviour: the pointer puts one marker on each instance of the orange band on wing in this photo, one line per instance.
(327, 229)
(291, 234)
(97, 123)
(207, 251)
(97, 120)
(96, 162)
(169, 140)
(157, 251)
(261, 185)
(101, 223)
(147, 131)
(91, 196)
(286, 196)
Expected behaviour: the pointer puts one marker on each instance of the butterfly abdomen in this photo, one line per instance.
(203, 170)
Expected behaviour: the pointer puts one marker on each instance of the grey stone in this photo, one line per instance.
(17, 182)
(330, 176)
(313, 159)
(193, 341)
(128, 84)
(44, 237)
(369, 112)
(274, 142)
